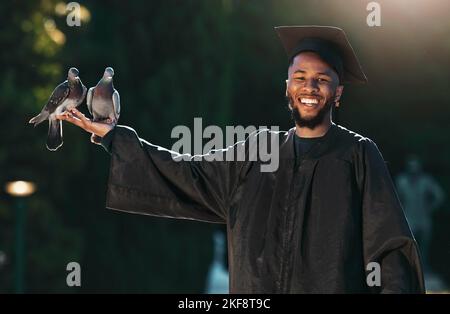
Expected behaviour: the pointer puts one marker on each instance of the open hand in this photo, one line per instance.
(79, 119)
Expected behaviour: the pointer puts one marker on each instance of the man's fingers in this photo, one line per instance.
(64, 116)
(67, 116)
(79, 115)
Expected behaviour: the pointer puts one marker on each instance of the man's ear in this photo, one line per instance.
(287, 81)
(289, 103)
(338, 94)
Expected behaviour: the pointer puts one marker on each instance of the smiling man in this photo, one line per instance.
(312, 89)
(328, 220)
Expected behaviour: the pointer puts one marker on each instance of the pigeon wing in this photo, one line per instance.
(116, 104)
(89, 97)
(58, 96)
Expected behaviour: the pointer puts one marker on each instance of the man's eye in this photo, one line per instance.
(323, 80)
(300, 78)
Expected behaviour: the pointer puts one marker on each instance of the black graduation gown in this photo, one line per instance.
(309, 227)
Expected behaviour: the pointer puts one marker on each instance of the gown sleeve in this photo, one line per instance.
(148, 179)
(387, 238)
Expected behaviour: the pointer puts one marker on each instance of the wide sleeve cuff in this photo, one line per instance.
(106, 141)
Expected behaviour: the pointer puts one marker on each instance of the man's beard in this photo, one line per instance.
(311, 122)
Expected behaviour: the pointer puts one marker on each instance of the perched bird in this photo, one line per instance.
(103, 101)
(66, 96)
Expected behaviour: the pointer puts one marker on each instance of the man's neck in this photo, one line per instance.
(318, 131)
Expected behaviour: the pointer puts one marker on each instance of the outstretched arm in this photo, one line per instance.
(148, 179)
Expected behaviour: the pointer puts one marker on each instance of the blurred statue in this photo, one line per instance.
(3, 259)
(420, 195)
(217, 280)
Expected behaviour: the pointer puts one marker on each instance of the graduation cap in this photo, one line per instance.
(329, 42)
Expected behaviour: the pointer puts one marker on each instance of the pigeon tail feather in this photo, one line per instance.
(54, 137)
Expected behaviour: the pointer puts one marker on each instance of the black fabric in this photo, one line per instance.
(329, 42)
(307, 229)
(303, 144)
(106, 140)
(325, 49)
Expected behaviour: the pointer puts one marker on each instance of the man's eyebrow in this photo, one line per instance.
(320, 73)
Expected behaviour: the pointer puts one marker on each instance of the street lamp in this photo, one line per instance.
(19, 190)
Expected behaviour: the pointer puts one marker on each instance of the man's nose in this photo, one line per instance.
(310, 86)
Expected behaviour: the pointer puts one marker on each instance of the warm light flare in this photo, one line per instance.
(20, 188)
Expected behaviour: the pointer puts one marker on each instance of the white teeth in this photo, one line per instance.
(308, 101)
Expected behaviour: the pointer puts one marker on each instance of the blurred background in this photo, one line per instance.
(216, 59)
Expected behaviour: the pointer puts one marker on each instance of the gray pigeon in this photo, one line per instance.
(66, 96)
(103, 101)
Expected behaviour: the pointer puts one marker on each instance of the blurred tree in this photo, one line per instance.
(30, 69)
